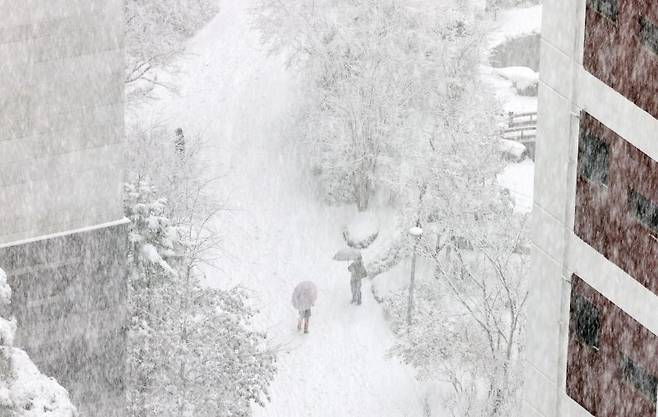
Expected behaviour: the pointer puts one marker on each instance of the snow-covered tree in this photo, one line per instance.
(177, 172)
(24, 391)
(156, 31)
(468, 310)
(468, 319)
(191, 348)
(378, 75)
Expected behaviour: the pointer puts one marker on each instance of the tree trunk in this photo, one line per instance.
(412, 285)
(362, 191)
(184, 341)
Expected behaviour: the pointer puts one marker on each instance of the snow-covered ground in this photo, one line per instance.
(518, 178)
(513, 23)
(521, 77)
(240, 99)
(507, 94)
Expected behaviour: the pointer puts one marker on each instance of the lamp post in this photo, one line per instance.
(417, 233)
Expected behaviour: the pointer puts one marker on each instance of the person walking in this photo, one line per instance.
(357, 273)
(179, 142)
(303, 298)
(304, 316)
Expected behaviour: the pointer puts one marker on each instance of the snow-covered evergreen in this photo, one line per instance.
(191, 348)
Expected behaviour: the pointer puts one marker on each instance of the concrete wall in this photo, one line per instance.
(566, 89)
(69, 297)
(62, 240)
(61, 115)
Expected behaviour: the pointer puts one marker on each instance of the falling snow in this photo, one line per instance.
(325, 208)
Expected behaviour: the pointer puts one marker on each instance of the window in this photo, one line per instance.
(649, 34)
(635, 375)
(593, 155)
(644, 210)
(608, 8)
(587, 320)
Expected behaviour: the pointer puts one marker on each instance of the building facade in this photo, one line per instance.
(593, 320)
(62, 233)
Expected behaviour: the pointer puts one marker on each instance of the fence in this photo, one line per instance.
(522, 127)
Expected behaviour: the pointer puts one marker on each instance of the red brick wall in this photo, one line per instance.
(603, 213)
(615, 54)
(594, 377)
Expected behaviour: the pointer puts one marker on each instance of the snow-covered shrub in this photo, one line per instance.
(512, 150)
(156, 31)
(397, 248)
(191, 352)
(24, 391)
(524, 79)
(362, 230)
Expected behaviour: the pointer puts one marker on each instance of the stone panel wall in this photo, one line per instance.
(70, 302)
(61, 138)
(61, 115)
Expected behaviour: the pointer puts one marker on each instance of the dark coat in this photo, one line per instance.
(357, 270)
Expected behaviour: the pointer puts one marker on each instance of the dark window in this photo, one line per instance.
(639, 378)
(587, 320)
(644, 210)
(649, 34)
(608, 8)
(593, 155)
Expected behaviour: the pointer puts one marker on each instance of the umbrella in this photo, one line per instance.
(304, 295)
(347, 254)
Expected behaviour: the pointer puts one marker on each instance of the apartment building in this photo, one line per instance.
(62, 233)
(593, 320)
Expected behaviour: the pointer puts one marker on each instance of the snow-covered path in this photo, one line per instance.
(240, 99)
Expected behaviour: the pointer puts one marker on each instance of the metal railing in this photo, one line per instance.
(522, 128)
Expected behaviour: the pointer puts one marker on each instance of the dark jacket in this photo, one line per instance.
(357, 270)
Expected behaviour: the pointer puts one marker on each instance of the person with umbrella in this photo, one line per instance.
(357, 273)
(356, 269)
(303, 298)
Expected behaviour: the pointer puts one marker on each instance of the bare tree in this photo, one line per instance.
(467, 330)
(156, 32)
